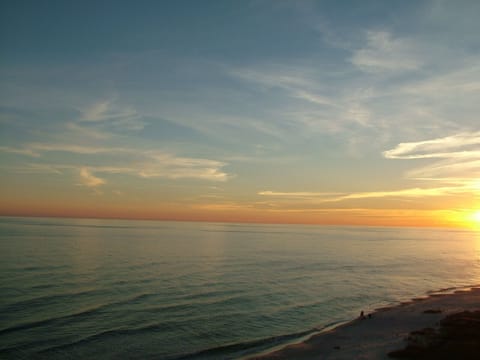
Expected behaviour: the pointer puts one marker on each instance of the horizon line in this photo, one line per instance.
(220, 221)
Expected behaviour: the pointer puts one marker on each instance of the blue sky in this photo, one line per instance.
(319, 110)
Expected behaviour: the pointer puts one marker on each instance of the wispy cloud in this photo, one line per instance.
(37, 149)
(326, 197)
(109, 112)
(30, 168)
(142, 163)
(448, 171)
(459, 154)
(90, 180)
(20, 151)
(441, 98)
(76, 129)
(298, 194)
(454, 146)
(225, 206)
(276, 76)
(298, 81)
(75, 149)
(383, 52)
(459, 169)
(313, 97)
(96, 112)
(312, 102)
(169, 166)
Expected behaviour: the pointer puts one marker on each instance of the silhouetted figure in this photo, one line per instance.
(362, 315)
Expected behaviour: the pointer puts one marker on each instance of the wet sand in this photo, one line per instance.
(386, 330)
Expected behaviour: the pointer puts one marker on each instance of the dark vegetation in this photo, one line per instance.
(457, 337)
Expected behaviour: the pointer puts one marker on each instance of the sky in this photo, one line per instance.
(315, 112)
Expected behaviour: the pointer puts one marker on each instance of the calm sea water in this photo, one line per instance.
(76, 289)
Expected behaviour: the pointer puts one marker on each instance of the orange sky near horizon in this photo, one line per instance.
(468, 219)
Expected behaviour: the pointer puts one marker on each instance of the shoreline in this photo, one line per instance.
(385, 331)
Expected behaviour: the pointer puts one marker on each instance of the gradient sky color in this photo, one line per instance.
(322, 112)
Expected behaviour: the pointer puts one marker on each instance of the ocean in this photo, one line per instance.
(115, 289)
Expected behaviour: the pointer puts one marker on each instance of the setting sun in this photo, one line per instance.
(472, 219)
(476, 216)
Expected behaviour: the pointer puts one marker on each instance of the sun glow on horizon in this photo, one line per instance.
(476, 217)
(472, 219)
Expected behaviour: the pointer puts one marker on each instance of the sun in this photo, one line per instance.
(474, 218)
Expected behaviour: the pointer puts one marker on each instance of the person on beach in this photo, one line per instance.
(362, 315)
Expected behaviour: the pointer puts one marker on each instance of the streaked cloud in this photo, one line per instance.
(173, 167)
(448, 170)
(276, 76)
(90, 180)
(20, 151)
(336, 197)
(459, 154)
(72, 148)
(383, 52)
(383, 99)
(87, 132)
(143, 163)
(36, 149)
(454, 146)
(298, 194)
(108, 112)
(313, 98)
(312, 102)
(225, 206)
(96, 112)
(30, 168)
(460, 166)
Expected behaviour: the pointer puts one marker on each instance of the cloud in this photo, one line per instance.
(298, 194)
(227, 206)
(463, 78)
(39, 169)
(109, 113)
(459, 154)
(86, 132)
(90, 180)
(97, 112)
(403, 193)
(314, 101)
(459, 146)
(75, 149)
(274, 75)
(325, 197)
(313, 98)
(36, 149)
(169, 166)
(141, 163)
(298, 81)
(451, 170)
(20, 151)
(385, 53)
(321, 98)
(459, 166)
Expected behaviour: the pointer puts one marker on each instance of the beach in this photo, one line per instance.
(385, 331)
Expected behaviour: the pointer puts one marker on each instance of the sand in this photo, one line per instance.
(386, 331)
